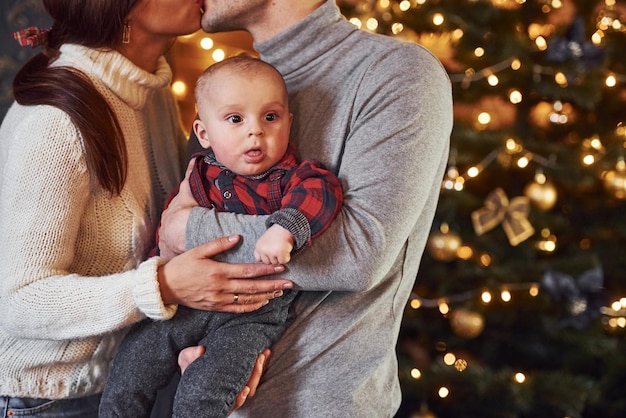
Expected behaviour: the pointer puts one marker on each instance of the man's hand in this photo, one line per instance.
(249, 390)
(189, 354)
(174, 219)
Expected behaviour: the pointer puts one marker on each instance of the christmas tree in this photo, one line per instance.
(518, 308)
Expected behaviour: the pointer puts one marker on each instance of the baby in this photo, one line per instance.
(250, 167)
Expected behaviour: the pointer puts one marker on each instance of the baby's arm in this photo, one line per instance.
(274, 246)
(312, 199)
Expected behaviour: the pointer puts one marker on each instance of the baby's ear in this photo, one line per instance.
(201, 133)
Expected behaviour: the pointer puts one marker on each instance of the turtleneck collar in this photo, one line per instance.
(130, 83)
(307, 40)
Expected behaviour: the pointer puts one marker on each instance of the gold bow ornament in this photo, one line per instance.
(512, 215)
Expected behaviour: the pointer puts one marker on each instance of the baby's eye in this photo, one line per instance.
(270, 117)
(234, 119)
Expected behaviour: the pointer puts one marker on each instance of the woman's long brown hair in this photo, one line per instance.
(91, 23)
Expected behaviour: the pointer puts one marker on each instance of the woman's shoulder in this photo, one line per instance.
(42, 127)
(38, 118)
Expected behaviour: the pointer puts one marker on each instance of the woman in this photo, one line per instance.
(95, 119)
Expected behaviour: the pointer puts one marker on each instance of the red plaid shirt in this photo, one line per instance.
(305, 186)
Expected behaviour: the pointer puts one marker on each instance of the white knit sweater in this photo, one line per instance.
(72, 274)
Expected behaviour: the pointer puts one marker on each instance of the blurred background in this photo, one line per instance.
(519, 308)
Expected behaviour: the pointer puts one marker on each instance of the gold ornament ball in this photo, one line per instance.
(506, 4)
(466, 324)
(615, 183)
(424, 412)
(443, 246)
(542, 196)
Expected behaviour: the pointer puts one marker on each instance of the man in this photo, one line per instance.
(378, 113)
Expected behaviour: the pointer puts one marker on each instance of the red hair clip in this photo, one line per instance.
(32, 36)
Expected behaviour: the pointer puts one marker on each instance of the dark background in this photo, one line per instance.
(15, 15)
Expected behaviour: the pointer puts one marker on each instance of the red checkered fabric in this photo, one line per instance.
(32, 36)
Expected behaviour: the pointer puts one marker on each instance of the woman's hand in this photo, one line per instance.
(189, 354)
(195, 280)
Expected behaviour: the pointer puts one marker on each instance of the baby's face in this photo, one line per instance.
(247, 121)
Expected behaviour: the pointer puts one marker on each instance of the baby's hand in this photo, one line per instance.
(274, 246)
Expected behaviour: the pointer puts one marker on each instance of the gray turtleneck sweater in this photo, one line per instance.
(378, 113)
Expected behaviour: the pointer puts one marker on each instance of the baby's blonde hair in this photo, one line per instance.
(243, 64)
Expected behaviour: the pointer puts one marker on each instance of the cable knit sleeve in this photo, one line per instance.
(65, 270)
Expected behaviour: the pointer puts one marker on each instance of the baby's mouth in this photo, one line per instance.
(253, 155)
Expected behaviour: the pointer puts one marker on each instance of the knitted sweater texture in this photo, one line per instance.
(378, 112)
(72, 274)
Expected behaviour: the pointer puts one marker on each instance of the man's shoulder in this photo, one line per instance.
(395, 53)
(386, 42)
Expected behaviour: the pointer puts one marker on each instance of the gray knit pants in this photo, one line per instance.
(147, 360)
